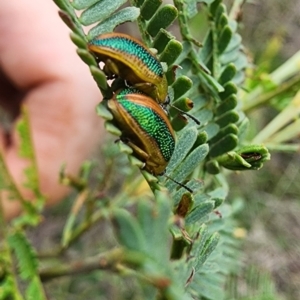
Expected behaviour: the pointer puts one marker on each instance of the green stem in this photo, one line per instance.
(215, 54)
(6, 261)
(283, 147)
(9, 183)
(251, 102)
(202, 71)
(282, 74)
(40, 199)
(110, 260)
(283, 118)
(288, 178)
(186, 35)
(142, 26)
(83, 227)
(183, 21)
(288, 133)
(101, 262)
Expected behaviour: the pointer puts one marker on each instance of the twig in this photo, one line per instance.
(251, 103)
(111, 260)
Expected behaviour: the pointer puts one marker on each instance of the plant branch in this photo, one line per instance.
(283, 147)
(251, 102)
(281, 76)
(8, 181)
(287, 133)
(201, 70)
(85, 226)
(182, 21)
(112, 260)
(284, 117)
(118, 261)
(6, 261)
(142, 27)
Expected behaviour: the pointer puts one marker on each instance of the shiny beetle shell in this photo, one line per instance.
(145, 128)
(128, 58)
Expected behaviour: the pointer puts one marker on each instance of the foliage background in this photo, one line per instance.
(271, 213)
(271, 210)
(271, 253)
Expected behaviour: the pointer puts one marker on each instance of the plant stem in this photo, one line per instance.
(75, 234)
(283, 147)
(83, 227)
(40, 199)
(111, 260)
(287, 133)
(204, 74)
(8, 182)
(183, 21)
(6, 261)
(251, 102)
(282, 74)
(142, 26)
(286, 116)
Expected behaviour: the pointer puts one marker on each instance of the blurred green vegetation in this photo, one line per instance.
(271, 214)
(269, 219)
(270, 196)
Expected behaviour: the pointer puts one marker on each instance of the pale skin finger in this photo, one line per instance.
(40, 62)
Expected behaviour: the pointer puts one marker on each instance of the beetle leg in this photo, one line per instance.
(146, 87)
(110, 69)
(141, 154)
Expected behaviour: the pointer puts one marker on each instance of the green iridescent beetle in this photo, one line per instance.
(145, 128)
(129, 59)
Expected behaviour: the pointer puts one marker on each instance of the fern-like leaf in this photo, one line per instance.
(27, 264)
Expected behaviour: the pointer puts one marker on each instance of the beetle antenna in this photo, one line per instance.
(179, 183)
(187, 114)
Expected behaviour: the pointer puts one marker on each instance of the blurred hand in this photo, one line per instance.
(40, 68)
